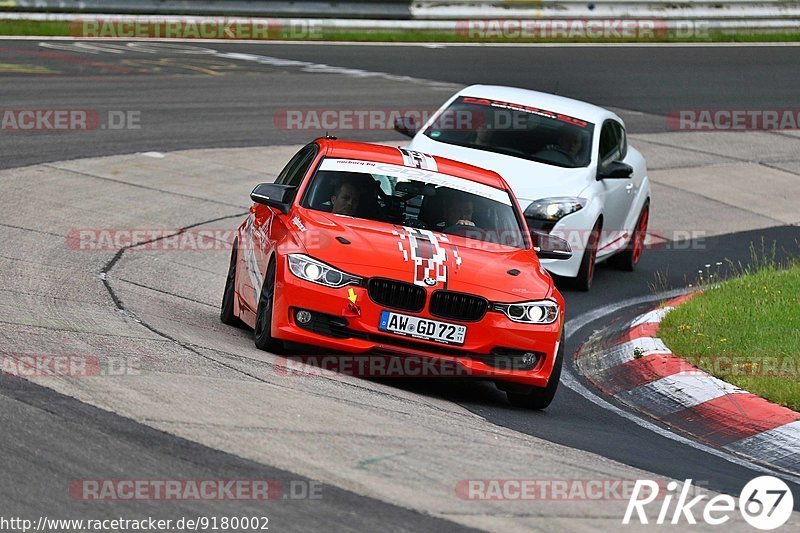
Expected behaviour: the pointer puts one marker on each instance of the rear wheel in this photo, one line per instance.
(541, 397)
(262, 334)
(226, 314)
(586, 272)
(628, 259)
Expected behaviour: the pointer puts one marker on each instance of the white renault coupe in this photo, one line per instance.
(568, 162)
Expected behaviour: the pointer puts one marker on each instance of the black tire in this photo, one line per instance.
(226, 314)
(629, 258)
(586, 272)
(262, 333)
(541, 397)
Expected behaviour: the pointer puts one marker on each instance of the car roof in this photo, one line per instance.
(380, 153)
(547, 101)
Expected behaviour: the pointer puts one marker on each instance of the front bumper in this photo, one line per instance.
(489, 346)
(574, 229)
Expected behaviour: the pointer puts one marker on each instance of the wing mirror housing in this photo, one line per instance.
(549, 246)
(406, 125)
(274, 195)
(616, 170)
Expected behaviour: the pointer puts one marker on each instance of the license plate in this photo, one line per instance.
(422, 328)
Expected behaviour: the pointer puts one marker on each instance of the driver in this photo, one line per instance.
(345, 198)
(570, 142)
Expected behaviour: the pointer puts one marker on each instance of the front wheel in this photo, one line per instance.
(586, 272)
(541, 397)
(226, 313)
(262, 334)
(628, 259)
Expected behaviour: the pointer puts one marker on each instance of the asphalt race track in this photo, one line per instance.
(235, 103)
(219, 96)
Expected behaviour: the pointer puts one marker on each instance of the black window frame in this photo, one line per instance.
(302, 160)
(604, 160)
(622, 136)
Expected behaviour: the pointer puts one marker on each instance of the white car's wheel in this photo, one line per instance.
(628, 259)
(583, 282)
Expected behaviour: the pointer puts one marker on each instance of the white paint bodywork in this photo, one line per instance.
(618, 202)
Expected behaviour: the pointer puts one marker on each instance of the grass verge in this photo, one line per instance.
(745, 331)
(64, 29)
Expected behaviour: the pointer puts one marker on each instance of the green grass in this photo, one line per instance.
(32, 27)
(745, 331)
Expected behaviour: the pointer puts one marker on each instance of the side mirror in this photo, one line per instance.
(549, 246)
(406, 125)
(616, 170)
(274, 195)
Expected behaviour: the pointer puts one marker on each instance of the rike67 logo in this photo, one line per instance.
(765, 503)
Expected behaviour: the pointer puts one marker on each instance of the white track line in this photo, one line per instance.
(569, 379)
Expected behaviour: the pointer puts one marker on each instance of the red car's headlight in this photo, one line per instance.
(315, 271)
(534, 312)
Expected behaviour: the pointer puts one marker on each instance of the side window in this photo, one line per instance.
(609, 144)
(623, 139)
(293, 172)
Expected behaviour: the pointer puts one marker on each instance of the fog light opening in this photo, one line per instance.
(303, 316)
(528, 358)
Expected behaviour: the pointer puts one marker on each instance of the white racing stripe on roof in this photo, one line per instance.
(417, 174)
(415, 159)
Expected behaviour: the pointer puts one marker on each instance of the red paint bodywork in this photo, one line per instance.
(268, 233)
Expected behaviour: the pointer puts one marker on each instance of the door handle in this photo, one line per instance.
(629, 187)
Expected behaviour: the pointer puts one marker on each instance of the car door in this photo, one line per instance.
(635, 183)
(617, 193)
(263, 228)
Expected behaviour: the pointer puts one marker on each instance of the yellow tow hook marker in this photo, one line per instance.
(351, 295)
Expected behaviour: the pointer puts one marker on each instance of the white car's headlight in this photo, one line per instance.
(535, 312)
(553, 209)
(309, 269)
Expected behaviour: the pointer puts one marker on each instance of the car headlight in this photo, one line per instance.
(535, 312)
(309, 269)
(553, 209)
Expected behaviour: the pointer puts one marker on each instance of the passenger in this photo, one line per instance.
(458, 212)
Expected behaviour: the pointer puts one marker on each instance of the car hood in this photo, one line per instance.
(377, 249)
(528, 179)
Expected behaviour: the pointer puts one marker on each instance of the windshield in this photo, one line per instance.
(416, 198)
(516, 130)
